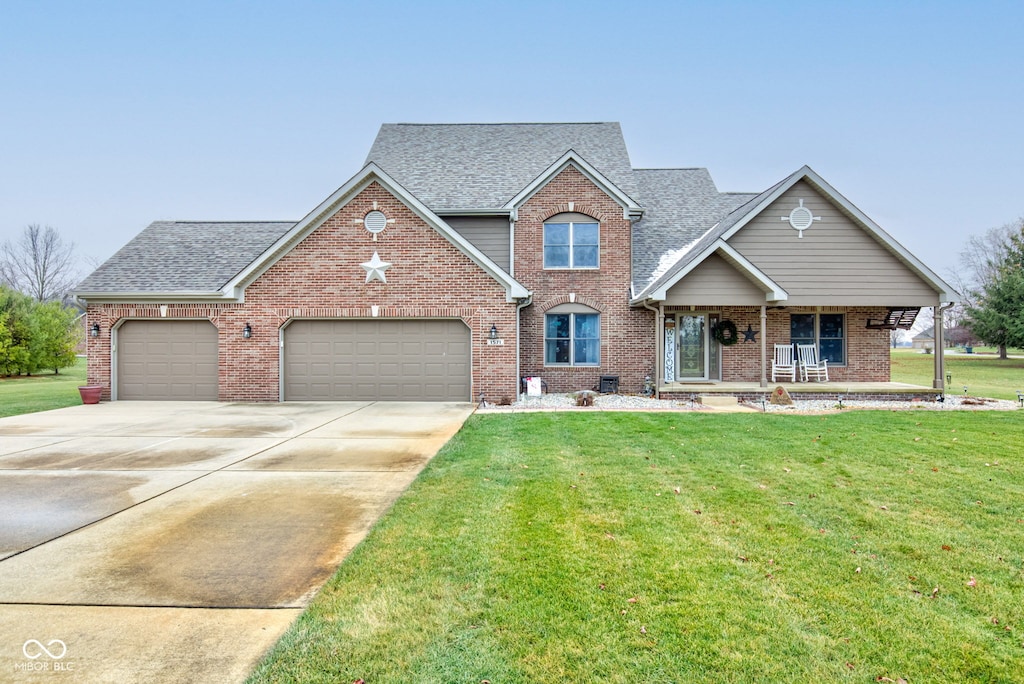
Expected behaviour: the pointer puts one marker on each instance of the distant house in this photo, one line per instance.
(924, 339)
(464, 257)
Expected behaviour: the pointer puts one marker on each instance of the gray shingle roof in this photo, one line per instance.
(483, 166)
(681, 206)
(184, 256)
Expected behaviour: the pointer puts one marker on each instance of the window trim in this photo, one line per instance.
(571, 311)
(817, 334)
(572, 223)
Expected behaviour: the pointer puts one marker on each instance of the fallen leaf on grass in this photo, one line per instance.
(601, 587)
(849, 666)
(677, 490)
(857, 570)
(789, 503)
(632, 599)
(787, 470)
(935, 592)
(972, 582)
(947, 547)
(643, 630)
(697, 511)
(609, 535)
(742, 558)
(917, 439)
(884, 508)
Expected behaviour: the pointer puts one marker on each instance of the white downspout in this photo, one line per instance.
(659, 342)
(523, 303)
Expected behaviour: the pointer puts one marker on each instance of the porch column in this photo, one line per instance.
(764, 346)
(940, 343)
(659, 358)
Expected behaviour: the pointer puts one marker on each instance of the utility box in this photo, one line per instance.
(609, 384)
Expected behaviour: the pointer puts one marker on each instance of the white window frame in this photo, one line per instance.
(571, 311)
(572, 246)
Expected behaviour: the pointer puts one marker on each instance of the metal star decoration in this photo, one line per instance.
(375, 268)
(749, 335)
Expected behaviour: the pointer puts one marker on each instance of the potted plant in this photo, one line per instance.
(90, 393)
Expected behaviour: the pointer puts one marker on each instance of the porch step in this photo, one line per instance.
(717, 400)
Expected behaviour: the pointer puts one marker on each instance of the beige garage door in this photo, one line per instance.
(405, 360)
(169, 360)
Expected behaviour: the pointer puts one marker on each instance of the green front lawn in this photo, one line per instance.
(42, 392)
(622, 547)
(985, 376)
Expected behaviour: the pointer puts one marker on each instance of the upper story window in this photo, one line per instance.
(571, 241)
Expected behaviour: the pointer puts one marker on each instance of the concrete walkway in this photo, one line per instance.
(175, 542)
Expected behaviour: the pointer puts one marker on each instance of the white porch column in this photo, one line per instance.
(938, 314)
(764, 346)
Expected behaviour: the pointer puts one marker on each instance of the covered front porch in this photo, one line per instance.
(755, 392)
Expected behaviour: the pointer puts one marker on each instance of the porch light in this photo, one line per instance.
(494, 332)
(95, 330)
(247, 331)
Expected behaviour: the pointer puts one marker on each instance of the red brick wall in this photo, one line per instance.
(627, 334)
(321, 278)
(867, 351)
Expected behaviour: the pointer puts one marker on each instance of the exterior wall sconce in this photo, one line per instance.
(247, 331)
(494, 332)
(94, 331)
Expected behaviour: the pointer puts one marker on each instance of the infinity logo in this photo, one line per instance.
(43, 649)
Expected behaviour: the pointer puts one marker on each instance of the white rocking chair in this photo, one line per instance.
(810, 366)
(783, 363)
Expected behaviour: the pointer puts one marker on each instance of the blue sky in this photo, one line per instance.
(113, 115)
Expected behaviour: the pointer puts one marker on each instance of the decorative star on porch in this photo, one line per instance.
(749, 335)
(375, 268)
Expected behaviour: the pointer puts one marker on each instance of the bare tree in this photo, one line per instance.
(981, 259)
(40, 263)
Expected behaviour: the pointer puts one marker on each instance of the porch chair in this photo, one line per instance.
(783, 363)
(809, 363)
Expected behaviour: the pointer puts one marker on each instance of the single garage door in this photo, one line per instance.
(377, 360)
(168, 360)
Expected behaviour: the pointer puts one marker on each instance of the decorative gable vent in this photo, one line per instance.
(375, 221)
(901, 319)
(801, 218)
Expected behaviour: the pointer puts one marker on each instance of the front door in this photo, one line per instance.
(696, 353)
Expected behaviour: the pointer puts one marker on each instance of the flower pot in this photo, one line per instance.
(90, 393)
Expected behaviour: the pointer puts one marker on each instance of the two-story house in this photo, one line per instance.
(464, 257)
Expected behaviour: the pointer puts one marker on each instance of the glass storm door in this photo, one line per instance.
(697, 356)
(693, 348)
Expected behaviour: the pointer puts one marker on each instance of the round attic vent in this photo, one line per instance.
(375, 221)
(801, 218)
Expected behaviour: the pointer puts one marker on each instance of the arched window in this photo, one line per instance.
(572, 336)
(571, 241)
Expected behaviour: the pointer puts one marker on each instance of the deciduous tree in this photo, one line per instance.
(39, 263)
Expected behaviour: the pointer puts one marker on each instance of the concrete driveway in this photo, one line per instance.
(177, 541)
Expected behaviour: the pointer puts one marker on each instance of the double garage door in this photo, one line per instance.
(324, 360)
(377, 360)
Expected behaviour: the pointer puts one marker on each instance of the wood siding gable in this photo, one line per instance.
(836, 262)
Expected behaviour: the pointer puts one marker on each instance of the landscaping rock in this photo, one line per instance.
(780, 397)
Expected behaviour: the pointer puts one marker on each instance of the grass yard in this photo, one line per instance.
(984, 375)
(648, 547)
(41, 392)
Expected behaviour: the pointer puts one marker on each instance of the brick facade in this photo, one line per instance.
(321, 278)
(627, 334)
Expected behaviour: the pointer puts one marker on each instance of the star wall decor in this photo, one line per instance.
(749, 335)
(375, 268)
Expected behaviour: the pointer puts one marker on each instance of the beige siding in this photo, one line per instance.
(836, 262)
(715, 281)
(489, 234)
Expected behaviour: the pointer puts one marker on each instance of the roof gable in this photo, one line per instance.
(461, 167)
(735, 221)
(369, 174)
(629, 207)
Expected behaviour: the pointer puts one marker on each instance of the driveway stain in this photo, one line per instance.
(340, 455)
(36, 508)
(261, 549)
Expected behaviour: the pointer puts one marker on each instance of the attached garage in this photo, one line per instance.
(377, 360)
(167, 360)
